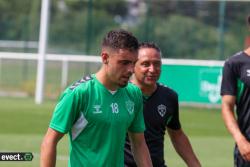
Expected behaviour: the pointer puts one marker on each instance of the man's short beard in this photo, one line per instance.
(123, 85)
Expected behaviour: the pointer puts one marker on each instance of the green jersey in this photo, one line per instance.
(97, 121)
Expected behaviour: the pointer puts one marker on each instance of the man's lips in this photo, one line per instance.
(151, 77)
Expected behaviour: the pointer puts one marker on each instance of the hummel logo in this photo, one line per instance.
(97, 109)
(248, 72)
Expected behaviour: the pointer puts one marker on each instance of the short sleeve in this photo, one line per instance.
(174, 122)
(65, 112)
(229, 80)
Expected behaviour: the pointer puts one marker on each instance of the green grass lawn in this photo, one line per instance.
(210, 140)
(23, 125)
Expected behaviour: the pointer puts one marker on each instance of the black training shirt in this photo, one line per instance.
(236, 82)
(161, 110)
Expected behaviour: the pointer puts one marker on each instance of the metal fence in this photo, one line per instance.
(196, 81)
(195, 29)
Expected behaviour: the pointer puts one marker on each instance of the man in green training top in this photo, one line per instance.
(99, 109)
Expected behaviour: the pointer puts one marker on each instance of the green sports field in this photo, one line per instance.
(23, 125)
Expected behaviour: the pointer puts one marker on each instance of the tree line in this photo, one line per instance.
(183, 29)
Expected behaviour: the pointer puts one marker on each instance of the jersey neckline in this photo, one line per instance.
(245, 54)
(103, 87)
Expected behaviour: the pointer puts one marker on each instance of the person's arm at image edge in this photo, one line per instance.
(48, 148)
(183, 147)
(228, 103)
(140, 150)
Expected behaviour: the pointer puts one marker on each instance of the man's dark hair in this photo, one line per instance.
(120, 39)
(248, 20)
(150, 45)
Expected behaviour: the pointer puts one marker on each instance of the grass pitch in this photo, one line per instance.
(23, 125)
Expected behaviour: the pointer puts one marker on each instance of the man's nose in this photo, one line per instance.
(151, 68)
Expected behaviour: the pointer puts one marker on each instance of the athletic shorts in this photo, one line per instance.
(238, 160)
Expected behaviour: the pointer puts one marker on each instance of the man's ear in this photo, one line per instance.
(105, 57)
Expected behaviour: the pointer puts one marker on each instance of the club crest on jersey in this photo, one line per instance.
(130, 106)
(162, 109)
(248, 72)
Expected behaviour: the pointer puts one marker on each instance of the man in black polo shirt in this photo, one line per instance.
(161, 111)
(235, 90)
